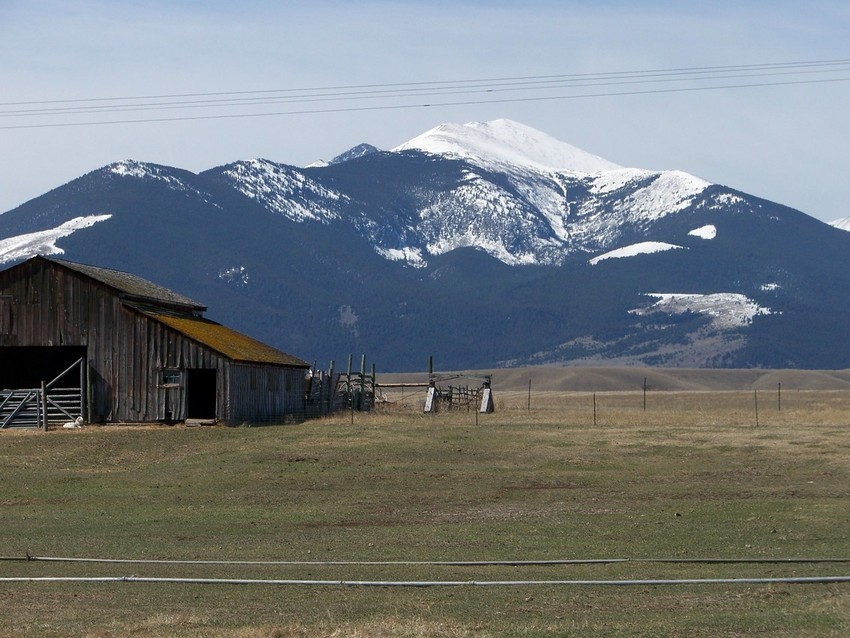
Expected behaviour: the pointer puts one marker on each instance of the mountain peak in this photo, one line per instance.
(361, 150)
(503, 141)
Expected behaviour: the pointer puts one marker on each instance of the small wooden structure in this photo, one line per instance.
(452, 397)
(148, 353)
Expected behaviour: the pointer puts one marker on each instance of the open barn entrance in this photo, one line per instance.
(40, 385)
(28, 366)
(200, 393)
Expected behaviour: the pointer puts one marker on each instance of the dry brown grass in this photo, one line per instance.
(692, 476)
(762, 408)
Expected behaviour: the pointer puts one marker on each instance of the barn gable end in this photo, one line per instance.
(150, 354)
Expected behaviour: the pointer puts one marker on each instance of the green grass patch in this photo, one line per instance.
(403, 487)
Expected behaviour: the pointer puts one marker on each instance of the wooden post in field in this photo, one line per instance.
(756, 400)
(644, 394)
(779, 397)
(594, 408)
(529, 395)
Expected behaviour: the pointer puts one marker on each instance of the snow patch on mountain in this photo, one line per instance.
(722, 200)
(641, 248)
(841, 224)
(726, 310)
(43, 242)
(615, 180)
(236, 275)
(704, 232)
(668, 193)
(481, 214)
(146, 171)
(505, 142)
(285, 190)
(139, 170)
(409, 255)
(598, 208)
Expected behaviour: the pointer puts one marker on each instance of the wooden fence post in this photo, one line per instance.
(43, 400)
(756, 400)
(594, 408)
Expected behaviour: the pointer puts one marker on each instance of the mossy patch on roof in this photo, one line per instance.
(234, 345)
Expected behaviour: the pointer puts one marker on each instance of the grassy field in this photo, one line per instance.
(693, 476)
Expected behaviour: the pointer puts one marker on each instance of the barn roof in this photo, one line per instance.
(130, 285)
(234, 345)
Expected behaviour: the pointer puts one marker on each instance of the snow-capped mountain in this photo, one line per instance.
(482, 244)
(527, 198)
(507, 145)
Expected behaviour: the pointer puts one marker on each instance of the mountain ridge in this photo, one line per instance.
(479, 261)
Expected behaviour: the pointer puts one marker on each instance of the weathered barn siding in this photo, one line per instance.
(46, 304)
(145, 397)
(141, 352)
(268, 390)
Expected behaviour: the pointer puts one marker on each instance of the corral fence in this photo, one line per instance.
(747, 407)
(59, 400)
(333, 390)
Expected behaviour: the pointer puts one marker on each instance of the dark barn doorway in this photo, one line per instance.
(27, 366)
(200, 393)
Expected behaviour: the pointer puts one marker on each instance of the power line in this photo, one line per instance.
(319, 111)
(574, 76)
(380, 97)
(359, 95)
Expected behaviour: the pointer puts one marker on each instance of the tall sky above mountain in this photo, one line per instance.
(299, 81)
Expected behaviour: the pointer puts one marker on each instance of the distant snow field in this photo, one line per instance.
(411, 256)
(726, 309)
(43, 242)
(704, 232)
(642, 248)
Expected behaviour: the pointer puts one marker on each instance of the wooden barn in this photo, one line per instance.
(126, 350)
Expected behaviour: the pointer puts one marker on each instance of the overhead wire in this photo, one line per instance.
(374, 94)
(379, 97)
(559, 77)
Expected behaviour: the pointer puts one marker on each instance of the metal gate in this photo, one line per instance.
(37, 407)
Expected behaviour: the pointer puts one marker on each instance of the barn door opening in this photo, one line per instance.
(200, 393)
(28, 366)
(41, 385)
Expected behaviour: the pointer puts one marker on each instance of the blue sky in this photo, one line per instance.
(785, 143)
